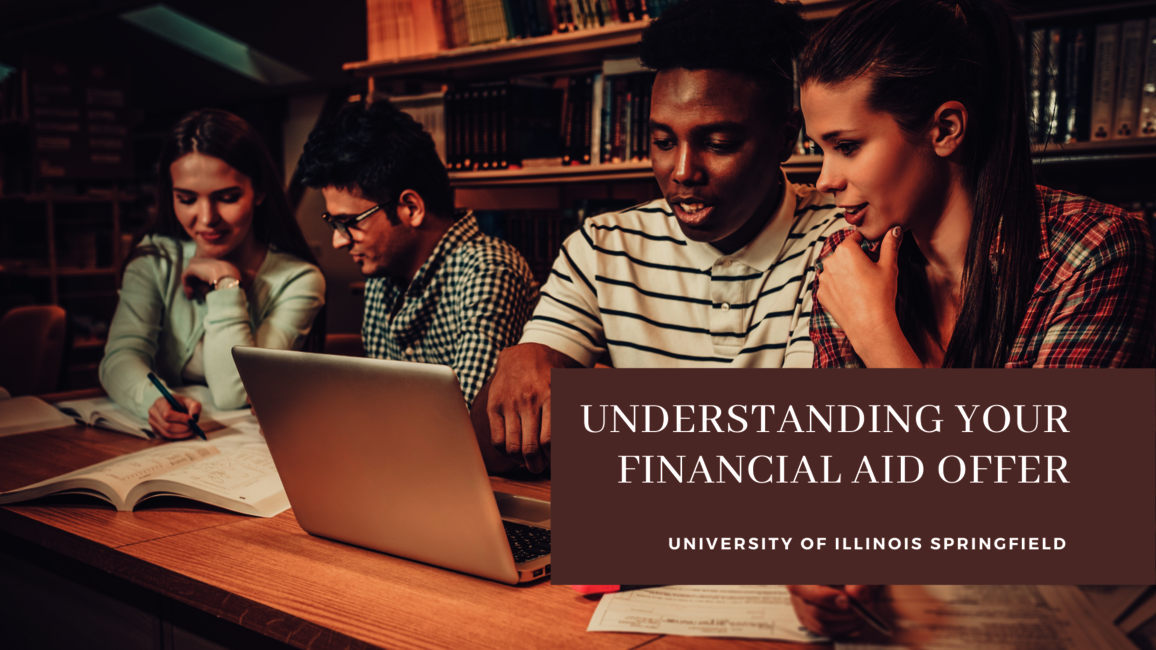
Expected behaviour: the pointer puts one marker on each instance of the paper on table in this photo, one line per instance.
(27, 414)
(1024, 617)
(744, 611)
(1113, 600)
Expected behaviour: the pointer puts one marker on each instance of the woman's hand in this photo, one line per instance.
(168, 423)
(202, 272)
(860, 296)
(826, 611)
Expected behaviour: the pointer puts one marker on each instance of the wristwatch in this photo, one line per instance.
(225, 282)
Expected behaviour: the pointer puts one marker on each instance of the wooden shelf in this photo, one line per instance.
(592, 173)
(571, 49)
(541, 52)
(1099, 151)
(1052, 10)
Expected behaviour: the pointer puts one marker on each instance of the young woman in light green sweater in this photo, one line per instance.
(224, 263)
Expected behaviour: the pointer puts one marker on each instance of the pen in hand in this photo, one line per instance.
(859, 608)
(177, 406)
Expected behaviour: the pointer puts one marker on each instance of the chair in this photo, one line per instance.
(345, 345)
(32, 341)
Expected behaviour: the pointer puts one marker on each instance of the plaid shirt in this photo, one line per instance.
(467, 302)
(1091, 307)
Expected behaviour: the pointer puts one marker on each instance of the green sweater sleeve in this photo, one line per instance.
(134, 336)
(289, 298)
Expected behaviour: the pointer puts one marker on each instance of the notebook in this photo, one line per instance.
(104, 413)
(382, 454)
(27, 414)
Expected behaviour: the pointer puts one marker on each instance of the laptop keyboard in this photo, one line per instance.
(527, 542)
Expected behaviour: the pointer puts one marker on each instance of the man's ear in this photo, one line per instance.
(949, 128)
(415, 208)
(791, 126)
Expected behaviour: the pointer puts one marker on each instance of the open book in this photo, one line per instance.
(104, 413)
(232, 471)
(27, 414)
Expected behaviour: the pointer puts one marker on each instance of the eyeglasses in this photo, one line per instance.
(343, 225)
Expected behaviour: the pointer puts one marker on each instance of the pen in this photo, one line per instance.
(177, 406)
(607, 589)
(867, 615)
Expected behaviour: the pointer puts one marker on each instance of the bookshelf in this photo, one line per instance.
(1115, 171)
(54, 268)
(583, 47)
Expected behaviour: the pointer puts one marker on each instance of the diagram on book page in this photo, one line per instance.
(995, 617)
(243, 472)
(124, 473)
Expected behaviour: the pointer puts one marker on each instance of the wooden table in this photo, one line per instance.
(183, 575)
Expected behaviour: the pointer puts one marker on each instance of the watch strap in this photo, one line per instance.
(226, 282)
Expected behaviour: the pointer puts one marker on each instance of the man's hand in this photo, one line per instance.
(166, 422)
(826, 611)
(518, 403)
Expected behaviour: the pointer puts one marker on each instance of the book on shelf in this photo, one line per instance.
(1037, 72)
(1104, 80)
(1075, 122)
(497, 125)
(399, 29)
(1147, 120)
(625, 111)
(1089, 82)
(104, 413)
(429, 110)
(1128, 86)
(233, 471)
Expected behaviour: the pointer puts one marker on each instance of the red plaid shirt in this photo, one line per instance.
(1092, 306)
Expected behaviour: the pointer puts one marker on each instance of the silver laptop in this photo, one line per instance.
(382, 454)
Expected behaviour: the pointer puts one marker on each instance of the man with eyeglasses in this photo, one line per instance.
(437, 289)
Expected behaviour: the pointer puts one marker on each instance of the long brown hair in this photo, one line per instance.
(225, 136)
(919, 54)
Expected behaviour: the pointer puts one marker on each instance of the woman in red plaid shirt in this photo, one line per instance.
(957, 259)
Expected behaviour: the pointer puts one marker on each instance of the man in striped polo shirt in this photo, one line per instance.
(717, 273)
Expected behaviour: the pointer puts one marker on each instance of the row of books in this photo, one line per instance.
(584, 119)
(1092, 82)
(406, 28)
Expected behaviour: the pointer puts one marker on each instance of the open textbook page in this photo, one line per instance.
(1023, 617)
(104, 413)
(742, 611)
(233, 471)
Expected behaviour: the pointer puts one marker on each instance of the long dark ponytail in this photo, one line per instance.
(225, 136)
(919, 54)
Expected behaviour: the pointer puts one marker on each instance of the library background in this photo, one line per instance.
(539, 109)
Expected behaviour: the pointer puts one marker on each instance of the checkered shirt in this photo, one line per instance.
(1093, 305)
(467, 302)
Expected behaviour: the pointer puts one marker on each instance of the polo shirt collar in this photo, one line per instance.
(764, 250)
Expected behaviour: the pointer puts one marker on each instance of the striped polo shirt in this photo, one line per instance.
(631, 284)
